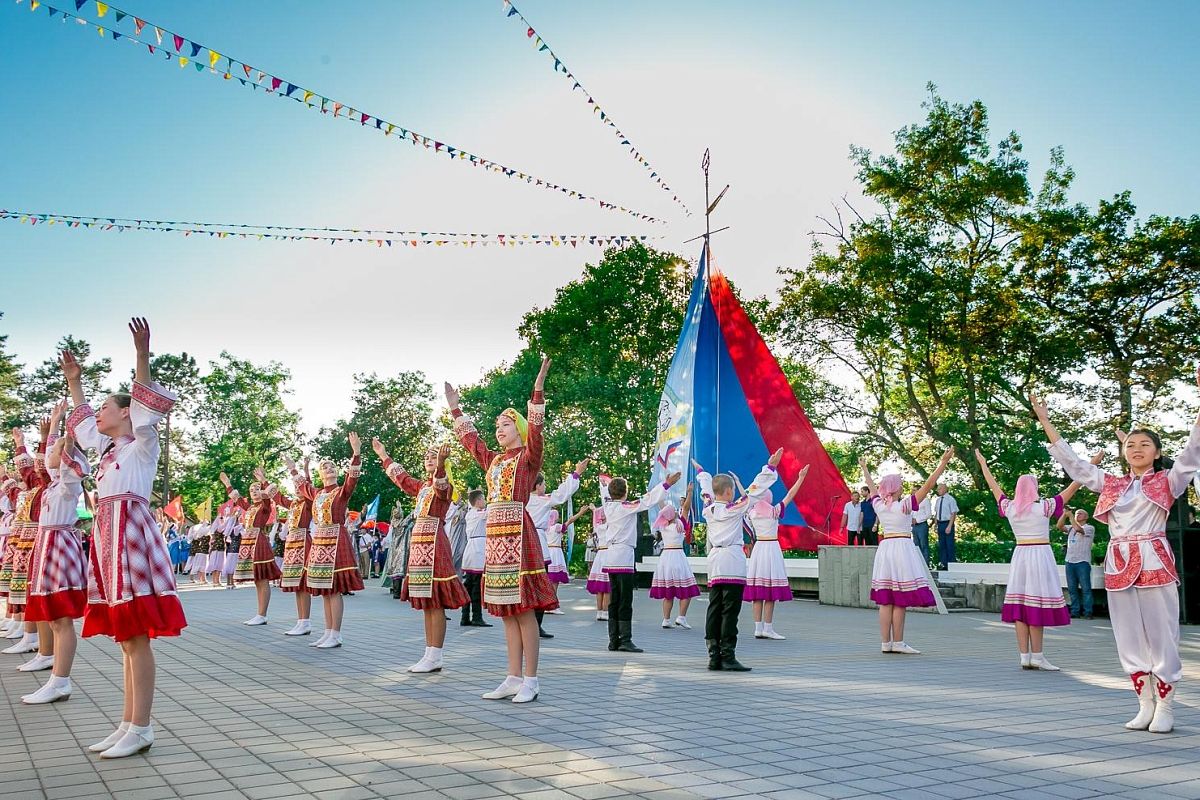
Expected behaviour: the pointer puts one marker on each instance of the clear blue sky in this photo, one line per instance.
(778, 90)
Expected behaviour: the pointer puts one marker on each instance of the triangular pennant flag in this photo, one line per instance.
(275, 83)
(79, 4)
(213, 58)
(307, 94)
(116, 35)
(137, 26)
(158, 33)
(291, 87)
(178, 41)
(195, 49)
(101, 9)
(183, 61)
(120, 15)
(199, 66)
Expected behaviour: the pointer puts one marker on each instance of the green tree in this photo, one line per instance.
(398, 410)
(180, 374)
(10, 385)
(45, 386)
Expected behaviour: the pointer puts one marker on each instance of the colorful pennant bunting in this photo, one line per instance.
(270, 84)
(576, 85)
(293, 233)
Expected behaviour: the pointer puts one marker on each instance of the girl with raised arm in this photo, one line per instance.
(131, 587)
(766, 574)
(9, 489)
(1139, 568)
(332, 569)
(23, 535)
(255, 557)
(1033, 599)
(557, 570)
(431, 583)
(57, 588)
(899, 577)
(296, 545)
(673, 577)
(515, 583)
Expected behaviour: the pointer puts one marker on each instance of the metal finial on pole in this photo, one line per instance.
(709, 207)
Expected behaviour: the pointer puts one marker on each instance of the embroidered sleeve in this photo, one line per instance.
(1054, 506)
(1080, 470)
(151, 402)
(1187, 463)
(407, 483)
(761, 487)
(82, 425)
(468, 437)
(534, 445)
(1002, 505)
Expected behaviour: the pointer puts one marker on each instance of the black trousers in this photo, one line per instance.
(721, 620)
(474, 586)
(620, 606)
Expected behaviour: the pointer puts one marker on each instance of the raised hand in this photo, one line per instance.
(1039, 406)
(1097, 457)
(443, 454)
(18, 437)
(452, 397)
(225, 480)
(776, 457)
(71, 369)
(672, 479)
(141, 334)
(259, 475)
(44, 428)
(803, 473)
(947, 456)
(291, 465)
(582, 466)
(1121, 435)
(57, 413)
(540, 383)
(379, 449)
(979, 457)
(697, 467)
(355, 443)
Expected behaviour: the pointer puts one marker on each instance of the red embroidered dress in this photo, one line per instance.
(256, 559)
(8, 504)
(431, 581)
(57, 582)
(131, 586)
(298, 541)
(23, 533)
(514, 579)
(331, 567)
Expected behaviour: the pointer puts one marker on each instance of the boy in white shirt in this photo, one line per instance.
(727, 559)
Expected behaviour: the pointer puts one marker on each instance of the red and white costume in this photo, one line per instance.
(298, 541)
(57, 582)
(131, 586)
(24, 526)
(255, 556)
(514, 579)
(431, 580)
(331, 567)
(8, 500)
(1139, 567)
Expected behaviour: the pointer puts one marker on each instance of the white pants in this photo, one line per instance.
(1146, 626)
(199, 562)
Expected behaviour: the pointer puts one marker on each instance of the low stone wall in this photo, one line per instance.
(844, 576)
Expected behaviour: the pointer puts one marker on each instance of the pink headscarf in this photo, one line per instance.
(890, 486)
(763, 508)
(665, 517)
(1025, 495)
(598, 517)
(552, 518)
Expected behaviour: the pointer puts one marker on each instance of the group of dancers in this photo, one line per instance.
(513, 562)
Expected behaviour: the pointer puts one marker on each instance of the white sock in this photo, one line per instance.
(60, 683)
(758, 628)
(1036, 657)
(512, 681)
(531, 683)
(141, 730)
(681, 618)
(768, 627)
(433, 653)
(666, 622)
(1024, 658)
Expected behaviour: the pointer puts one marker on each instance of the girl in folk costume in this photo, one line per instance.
(131, 589)
(9, 489)
(256, 558)
(296, 545)
(473, 558)
(23, 534)
(57, 587)
(331, 568)
(899, 577)
(1139, 568)
(278, 543)
(673, 578)
(198, 538)
(431, 583)
(539, 508)
(557, 570)
(766, 574)
(598, 583)
(515, 583)
(1033, 599)
(221, 530)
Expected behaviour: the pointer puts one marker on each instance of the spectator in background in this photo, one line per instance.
(920, 528)
(1080, 537)
(870, 522)
(945, 511)
(852, 518)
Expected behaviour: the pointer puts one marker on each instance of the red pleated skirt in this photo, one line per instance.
(448, 591)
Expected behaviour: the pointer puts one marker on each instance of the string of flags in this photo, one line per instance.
(560, 67)
(297, 233)
(205, 59)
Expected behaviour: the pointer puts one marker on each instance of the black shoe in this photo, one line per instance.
(465, 622)
(729, 662)
(613, 644)
(477, 621)
(714, 655)
(629, 647)
(543, 635)
(625, 638)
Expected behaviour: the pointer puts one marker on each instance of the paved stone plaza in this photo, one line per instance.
(246, 712)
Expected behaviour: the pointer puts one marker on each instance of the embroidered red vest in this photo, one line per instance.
(1154, 486)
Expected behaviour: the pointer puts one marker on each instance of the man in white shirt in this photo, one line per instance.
(945, 512)
(920, 528)
(852, 518)
(1078, 559)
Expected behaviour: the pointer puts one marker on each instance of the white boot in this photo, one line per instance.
(885, 647)
(908, 650)
(770, 633)
(111, 739)
(257, 619)
(602, 616)
(27, 644)
(52, 691)
(320, 641)
(136, 740)
(16, 630)
(1038, 661)
(332, 640)
(430, 662)
(37, 664)
(681, 622)
(528, 692)
(1164, 714)
(1026, 661)
(302, 627)
(666, 623)
(758, 631)
(1145, 694)
(509, 687)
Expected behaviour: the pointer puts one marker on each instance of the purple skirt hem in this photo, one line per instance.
(558, 577)
(674, 592)
(776, 594)
(1038, 617)
(599, 587)
(920, 598)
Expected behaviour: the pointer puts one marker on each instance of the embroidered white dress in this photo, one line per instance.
(766, 574)
(673, 577)
(1034, 593)
(899, 576)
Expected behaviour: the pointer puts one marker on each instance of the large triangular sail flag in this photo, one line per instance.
(728, 405)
